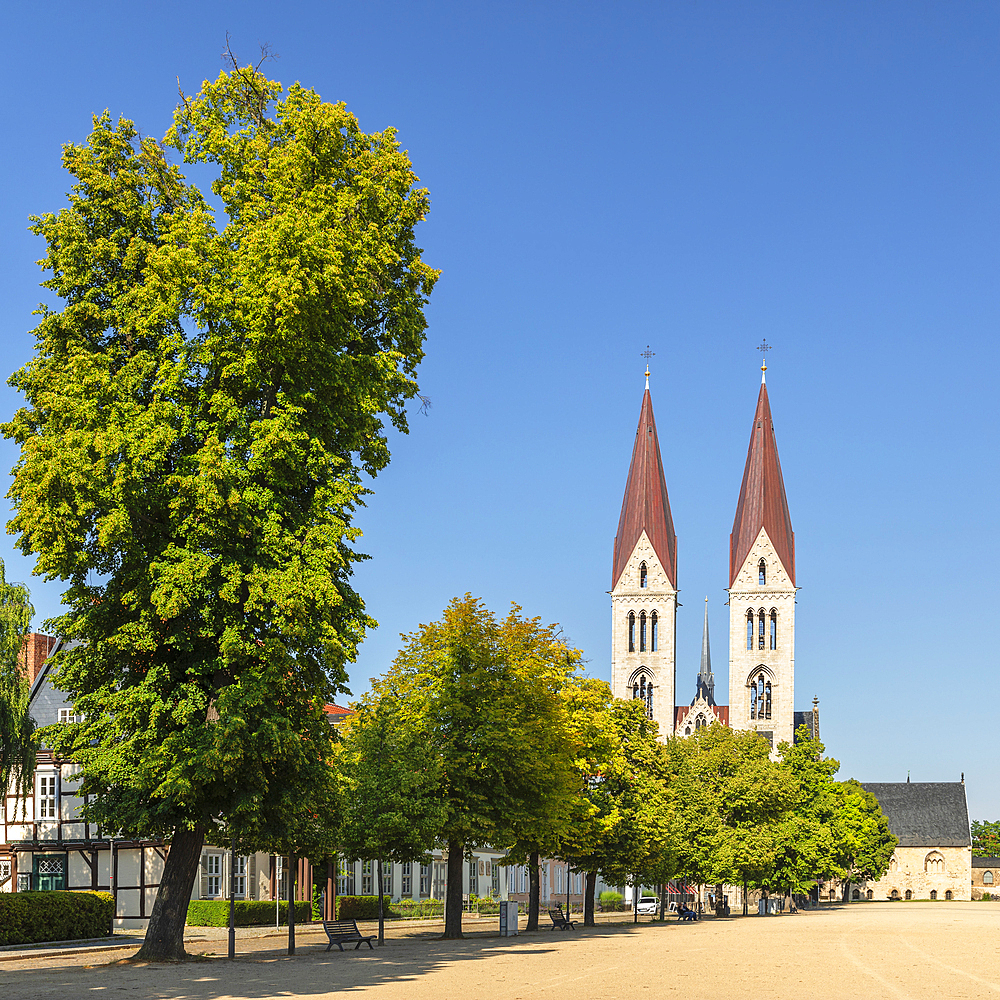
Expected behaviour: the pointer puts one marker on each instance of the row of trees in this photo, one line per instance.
(484, 732)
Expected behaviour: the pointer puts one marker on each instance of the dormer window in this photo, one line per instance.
(642, 574)
(762, 573)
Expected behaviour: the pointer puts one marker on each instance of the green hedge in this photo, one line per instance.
(361, 907)
(249, 912)
(417, 908)
(58, 915)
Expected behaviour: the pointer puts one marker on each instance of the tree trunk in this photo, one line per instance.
(534, 890)
(381, 904)
(293, 865)
(165, 934)
(744, 899)
(453, 893)
(588, 900)
(663, 901)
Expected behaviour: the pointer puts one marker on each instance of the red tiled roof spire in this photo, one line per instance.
(646, 506)
(762, 502)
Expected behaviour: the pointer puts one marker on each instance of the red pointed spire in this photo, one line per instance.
(646, 506)
(762, 502)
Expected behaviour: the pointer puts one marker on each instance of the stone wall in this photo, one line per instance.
(923, 870)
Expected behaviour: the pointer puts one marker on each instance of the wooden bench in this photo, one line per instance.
(560, 922)
(341, 932)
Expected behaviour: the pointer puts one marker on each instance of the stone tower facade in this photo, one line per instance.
(644, 582)
(762, 593)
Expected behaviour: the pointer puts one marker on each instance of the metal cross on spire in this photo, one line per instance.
(764, 348)
(647, 354)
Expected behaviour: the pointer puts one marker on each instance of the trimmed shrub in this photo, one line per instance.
(57, 915)
(249, 912)
(412, 908)
(612, 900)
(361, 907)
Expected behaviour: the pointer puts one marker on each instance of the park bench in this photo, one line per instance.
(341, 932)
(560, 922)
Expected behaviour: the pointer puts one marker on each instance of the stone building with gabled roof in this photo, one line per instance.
(934, 857)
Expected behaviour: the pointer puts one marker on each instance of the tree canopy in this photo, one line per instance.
(18, 739)
(199, 410)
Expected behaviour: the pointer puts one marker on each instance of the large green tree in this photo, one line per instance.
(18, 739)
(200, 407)
(491, 692)
(391, 777)
(864, 843)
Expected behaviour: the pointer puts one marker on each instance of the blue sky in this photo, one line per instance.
(692, 175)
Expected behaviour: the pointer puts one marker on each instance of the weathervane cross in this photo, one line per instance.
(764, 348)
(647, 354)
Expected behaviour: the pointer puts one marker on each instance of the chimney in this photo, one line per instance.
(35, 650)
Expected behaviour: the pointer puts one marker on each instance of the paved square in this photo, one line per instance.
(904, 950)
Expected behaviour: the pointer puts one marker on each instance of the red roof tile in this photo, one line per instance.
(762, 502)
(646, 506)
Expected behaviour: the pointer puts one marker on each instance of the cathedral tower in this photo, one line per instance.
(644, 582)
(762, 592)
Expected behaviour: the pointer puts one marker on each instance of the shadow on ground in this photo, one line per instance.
(268, 972)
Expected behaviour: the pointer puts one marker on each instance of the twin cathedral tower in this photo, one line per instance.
(761, 596)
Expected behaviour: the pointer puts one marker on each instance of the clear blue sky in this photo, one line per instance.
(695, 175)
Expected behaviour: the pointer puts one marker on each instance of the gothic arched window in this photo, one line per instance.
(987, 877)
(750, 629)
(760, 628)
(933, 893)
(643, 690)
(909, 894)
(642, 574)
(753, 701)
(761, 573)
(934, 862)
(774, 629)
(760, 697)
(642, 631)
(631, 631)
(653, 638)
(767, 700)
(700, 722)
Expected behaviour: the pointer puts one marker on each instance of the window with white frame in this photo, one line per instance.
(495, 881)
(387, 877)
(240, 888)
(366, 879)
(473, 879)
(46, 797)
(4, 872)
(407, 876)
(213, 868)
(69, 715)
(345, 878)
(425, 880)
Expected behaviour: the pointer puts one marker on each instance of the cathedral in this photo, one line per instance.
(761, 596)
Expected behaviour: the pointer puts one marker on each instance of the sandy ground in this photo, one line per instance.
(917, 950)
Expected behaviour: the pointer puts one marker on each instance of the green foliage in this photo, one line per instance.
(985, 838)
(490, 692)
(27, 917)
(199, 411)
(18, 740)
(406, 908)
(864, 842)
(611, 900)
(361, 907)
(249, 912)
(391, 774)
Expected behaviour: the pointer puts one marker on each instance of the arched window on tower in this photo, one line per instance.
(642, 574)
(642, 631)
(760, 697)
(753, 701)
(767, 700)
(750, 629)
(653, 637)
(643, 690)
(761, 573)
(761, 617)
(631, 631)
(774, 629)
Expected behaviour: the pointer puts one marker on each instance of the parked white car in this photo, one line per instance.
(648, 906)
